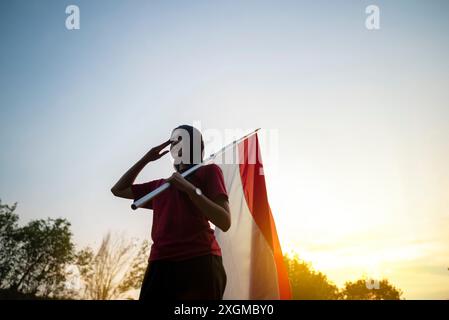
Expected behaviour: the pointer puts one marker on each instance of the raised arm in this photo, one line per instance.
(122, 188)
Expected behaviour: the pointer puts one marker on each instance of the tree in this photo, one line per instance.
(46, 250)
(134, 277)
(359, 290)
(308, 284)
(34, 258)
(8, 242)
(116, 268)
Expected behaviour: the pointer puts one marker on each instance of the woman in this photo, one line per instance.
(185, 260)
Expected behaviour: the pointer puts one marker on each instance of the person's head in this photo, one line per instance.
(187, 147)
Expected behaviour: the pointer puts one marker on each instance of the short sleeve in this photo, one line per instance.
(214, 183)
(142, 189)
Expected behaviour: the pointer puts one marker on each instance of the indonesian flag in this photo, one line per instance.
(251, 251)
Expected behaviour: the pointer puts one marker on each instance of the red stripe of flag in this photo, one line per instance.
(253, 181)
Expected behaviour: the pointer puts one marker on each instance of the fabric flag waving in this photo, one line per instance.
(252, 254)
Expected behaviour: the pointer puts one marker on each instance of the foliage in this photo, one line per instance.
(359, 290)
(308, 284)
(9, 244)
(115, 269)
(33, 258)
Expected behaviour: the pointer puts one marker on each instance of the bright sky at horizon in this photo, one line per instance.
(360, 182)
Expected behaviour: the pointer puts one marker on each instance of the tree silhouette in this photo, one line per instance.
(308, 284)
(362, 290)
(115, 269)
(9, 244)
(33, 258)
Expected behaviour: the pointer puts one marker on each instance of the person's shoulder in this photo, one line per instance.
(212, 167)
(209, 169)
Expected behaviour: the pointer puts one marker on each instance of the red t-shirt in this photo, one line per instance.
(180, 231)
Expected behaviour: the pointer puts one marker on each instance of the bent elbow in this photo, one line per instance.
(114, 191)
(227, 225)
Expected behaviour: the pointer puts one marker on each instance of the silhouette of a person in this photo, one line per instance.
(185, 260)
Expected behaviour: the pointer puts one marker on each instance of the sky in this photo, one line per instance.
(357, 175)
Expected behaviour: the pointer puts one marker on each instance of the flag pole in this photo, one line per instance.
(142, 201)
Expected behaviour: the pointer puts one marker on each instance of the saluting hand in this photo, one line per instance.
(155, 153)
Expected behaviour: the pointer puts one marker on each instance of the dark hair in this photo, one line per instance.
(194, 134)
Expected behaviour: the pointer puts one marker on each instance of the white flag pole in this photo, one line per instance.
(142, 201)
